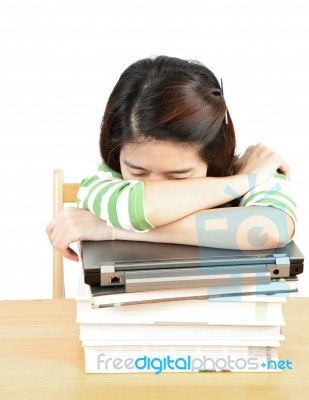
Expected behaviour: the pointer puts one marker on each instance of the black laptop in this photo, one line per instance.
(127, 266)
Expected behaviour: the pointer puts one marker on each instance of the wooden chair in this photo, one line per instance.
(62, 193)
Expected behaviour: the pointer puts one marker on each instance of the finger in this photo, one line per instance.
(65, 250)
(70, 254)
(50, 227)
(57, 239)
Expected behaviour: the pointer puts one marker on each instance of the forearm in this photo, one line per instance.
(138, 205)
(141, 205)
(168, 201)
(244, 228)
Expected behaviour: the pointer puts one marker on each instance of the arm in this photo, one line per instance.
(244, 228)
(263, 227)
(111, 199)
(167, 201)
(265, 219)
(139, 206)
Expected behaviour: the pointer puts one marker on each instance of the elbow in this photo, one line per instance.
(286, 235)
(245, 228)
(264, 228)
(272, 230)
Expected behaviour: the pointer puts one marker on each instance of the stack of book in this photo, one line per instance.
(222, 328)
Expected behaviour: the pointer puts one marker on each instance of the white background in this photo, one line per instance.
(59, 60)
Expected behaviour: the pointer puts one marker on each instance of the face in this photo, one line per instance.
(160, 160)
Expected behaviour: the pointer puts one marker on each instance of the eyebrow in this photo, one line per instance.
(177, 171)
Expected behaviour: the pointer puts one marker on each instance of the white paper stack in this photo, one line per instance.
(231, 332)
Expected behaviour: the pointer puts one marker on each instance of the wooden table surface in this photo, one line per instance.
(41, 358)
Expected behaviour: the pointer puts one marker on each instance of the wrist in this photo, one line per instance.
(113, 233)
(100, 231)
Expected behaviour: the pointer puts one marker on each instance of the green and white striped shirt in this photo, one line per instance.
(276, 192)
(121, 203)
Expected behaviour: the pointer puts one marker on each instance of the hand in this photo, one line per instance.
(262, 161)
(75, 224)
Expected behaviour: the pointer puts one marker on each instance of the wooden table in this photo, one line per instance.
(41, 358)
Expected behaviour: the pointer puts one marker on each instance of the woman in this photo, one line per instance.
(170, 171)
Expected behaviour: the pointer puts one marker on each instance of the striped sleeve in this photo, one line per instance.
(120, 203)
(276, 192)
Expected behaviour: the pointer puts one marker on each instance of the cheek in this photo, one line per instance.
(124, 171)
(125, 174)
(201, 172)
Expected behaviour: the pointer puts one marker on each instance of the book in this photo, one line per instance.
(176, 331)
(250, 310)
(223, 341)
(275, 287)
(153, 330)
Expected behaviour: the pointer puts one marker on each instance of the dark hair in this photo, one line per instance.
(167, 98)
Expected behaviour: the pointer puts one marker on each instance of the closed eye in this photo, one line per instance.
(169, 177)
(137, 175)
(173, 178)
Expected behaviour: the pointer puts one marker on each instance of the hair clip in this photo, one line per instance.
(226, 119)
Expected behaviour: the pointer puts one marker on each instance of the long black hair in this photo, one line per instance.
(167, 98)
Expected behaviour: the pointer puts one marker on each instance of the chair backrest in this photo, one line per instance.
(62, 193)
